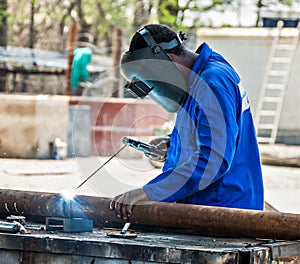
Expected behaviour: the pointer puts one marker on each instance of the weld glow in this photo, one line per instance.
(68, 194)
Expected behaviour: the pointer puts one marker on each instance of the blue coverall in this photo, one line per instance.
(213, 158)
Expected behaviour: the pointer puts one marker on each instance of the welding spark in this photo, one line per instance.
(68, 194)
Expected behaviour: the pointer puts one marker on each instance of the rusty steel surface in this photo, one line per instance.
(45, 247)
(190, 219)
(147, 247)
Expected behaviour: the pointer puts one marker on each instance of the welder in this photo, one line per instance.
(212, 153)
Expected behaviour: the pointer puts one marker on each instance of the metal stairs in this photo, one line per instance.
(274, 85)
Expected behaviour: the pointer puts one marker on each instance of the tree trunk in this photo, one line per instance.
(259, 6)
(70, 51)
(3, 41)
(31, 26)
(116, 56)
(3, 23)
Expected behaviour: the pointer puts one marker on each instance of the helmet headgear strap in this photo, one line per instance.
(177, 41)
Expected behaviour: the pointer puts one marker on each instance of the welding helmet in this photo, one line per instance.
(150, 71)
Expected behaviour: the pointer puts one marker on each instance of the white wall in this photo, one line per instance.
(29, 123)
(247, 49)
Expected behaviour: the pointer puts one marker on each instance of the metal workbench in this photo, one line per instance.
(147, 247)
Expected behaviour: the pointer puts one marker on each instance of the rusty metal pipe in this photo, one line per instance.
(192, 219)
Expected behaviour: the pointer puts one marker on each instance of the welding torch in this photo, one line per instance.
(148, 149)
(151, 150)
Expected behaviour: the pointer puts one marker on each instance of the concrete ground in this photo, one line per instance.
(282, 184)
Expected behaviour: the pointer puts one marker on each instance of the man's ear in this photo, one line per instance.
(171, 56)
(174, 57)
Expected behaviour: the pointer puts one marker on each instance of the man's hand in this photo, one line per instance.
(161, 143)
(123, 203)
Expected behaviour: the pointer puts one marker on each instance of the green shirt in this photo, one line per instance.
(82, 57)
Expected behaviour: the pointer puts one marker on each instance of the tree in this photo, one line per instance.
(142, 12)
(3, 39)
(271, 5)
(42, 24)
(175, 13)
(97, 17)
(169, 11)
(3, 22)
(32, 32)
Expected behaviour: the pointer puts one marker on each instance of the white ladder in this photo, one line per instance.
(274, 85)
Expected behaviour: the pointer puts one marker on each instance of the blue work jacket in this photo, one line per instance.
(213, 158)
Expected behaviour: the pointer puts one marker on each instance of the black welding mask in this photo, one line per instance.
(150, 71)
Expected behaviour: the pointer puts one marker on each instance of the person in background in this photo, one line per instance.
(212, 153)
(80, 73)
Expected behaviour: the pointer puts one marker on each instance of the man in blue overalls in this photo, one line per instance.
(213, 157)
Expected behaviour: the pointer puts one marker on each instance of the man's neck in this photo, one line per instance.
(188, 60)
(185, 62)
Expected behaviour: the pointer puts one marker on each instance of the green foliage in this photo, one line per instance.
(267, 3)
(168, 11)
(99, 17)
(3, 9)
(4, 14)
